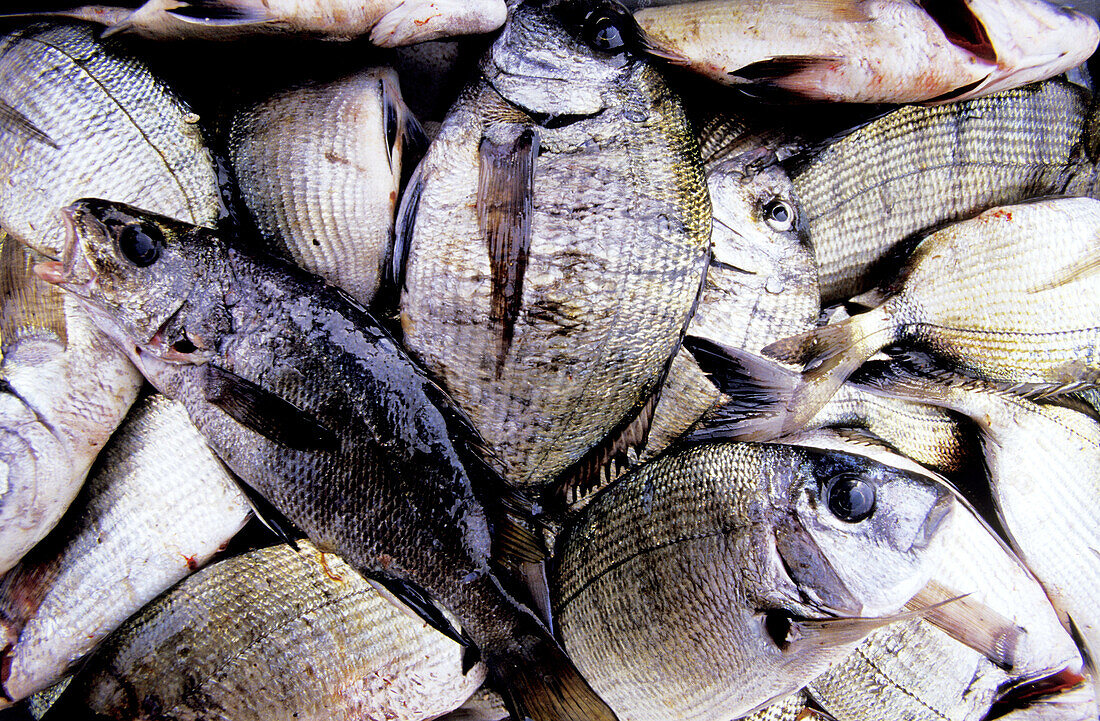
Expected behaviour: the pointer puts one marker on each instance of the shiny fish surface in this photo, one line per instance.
(915, 169)
(157, 505)
(319, 168)
(63, 389)
(272, 635)
(112, 130)
(689, 589)
(556, 244)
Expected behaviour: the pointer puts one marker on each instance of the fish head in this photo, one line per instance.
(134, 271)
(562, 57)
(857, 537)
(754, 200)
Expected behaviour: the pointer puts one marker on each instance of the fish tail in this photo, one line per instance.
(829, 355)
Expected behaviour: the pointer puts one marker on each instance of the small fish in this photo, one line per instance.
(156, 506)
(115, 131)
(64, 387)
(990, 294)
(721, 576)
(272, 635)
(868, 195)
(319, 169)
(305, 398)
(388, 22)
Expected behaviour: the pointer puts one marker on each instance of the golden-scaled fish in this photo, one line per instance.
(555, 239)
(1009, 296)
(387, 22)
(86, 119)
(319, 169)
(272, 635)
(305, 397)
(63, 389)
(721, 576)
(914, 169)
(1044, 474)
(157, 505)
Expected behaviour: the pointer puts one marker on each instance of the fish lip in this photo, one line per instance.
(76, 270)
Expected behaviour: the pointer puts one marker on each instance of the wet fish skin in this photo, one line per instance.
(116, 130)
(346, 140)
(157, 505)
(63, 389)
(589, 184)
(682, 568)
(918, 168)
(273, 634)
(310, 402)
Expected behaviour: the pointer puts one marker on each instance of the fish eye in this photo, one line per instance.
(779, 215)
(140, 243)
(603, 30)
(850, 498)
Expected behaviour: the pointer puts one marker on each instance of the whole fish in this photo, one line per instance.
(1044, 473)
(157, 505)
(63, 389)
(867, 194)
(319, 169)
(303, 395)
(387, 22)
(990, 294)
(721, 576)
(273, 635)
(87, 119)
(554, 243)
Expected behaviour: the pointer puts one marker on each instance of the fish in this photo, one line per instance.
(722, 576)
(63, 390)
(868, 195)
(304, 396)
(157, 505)
(273, 634)
(964, 294)
(388, 23)
(551, 246)
(115, 131)
(1042, 463)
(346, 139)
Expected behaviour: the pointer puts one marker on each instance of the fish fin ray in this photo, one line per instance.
(404, 228)
(220, 12)
(266, 413)
(844, 630)
(972, 623)
(15, 122)
(399, 124)
(29, 305)
(1084, 267)
(271, 517)
(505, 201)
(777, 68)
(417, 603)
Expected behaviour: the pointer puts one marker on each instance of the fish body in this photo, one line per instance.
(319, 168)
(556, 241)
(918, 168)
(991, 295)
(305, 398)
(157, 505)
(691, 588)
(106, 127)
(63, 389)
(274, 634)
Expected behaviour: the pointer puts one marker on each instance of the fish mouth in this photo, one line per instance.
(73, 270)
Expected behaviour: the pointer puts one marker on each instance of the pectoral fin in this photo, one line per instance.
(15, 122)
(972, 623)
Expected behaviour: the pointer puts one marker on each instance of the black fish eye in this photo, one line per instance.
(850, 498)
(778, 214)
(140, 243)
(604, 31)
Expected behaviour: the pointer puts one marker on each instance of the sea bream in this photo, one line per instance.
(304, 396)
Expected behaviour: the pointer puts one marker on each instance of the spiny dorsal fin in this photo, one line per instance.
(28, 306)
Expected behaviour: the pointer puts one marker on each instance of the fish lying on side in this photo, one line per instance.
(721, 576)
(552, 244)
(306, 399)
(274, 634)
(87, 119)
(156, 506)
(388, 22)
(866, 195)
(319, 168)
(991, 295)
(63, 389)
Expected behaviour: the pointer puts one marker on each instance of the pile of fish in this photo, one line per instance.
(645, 361)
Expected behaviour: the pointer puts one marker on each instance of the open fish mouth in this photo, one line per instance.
(73, 270)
